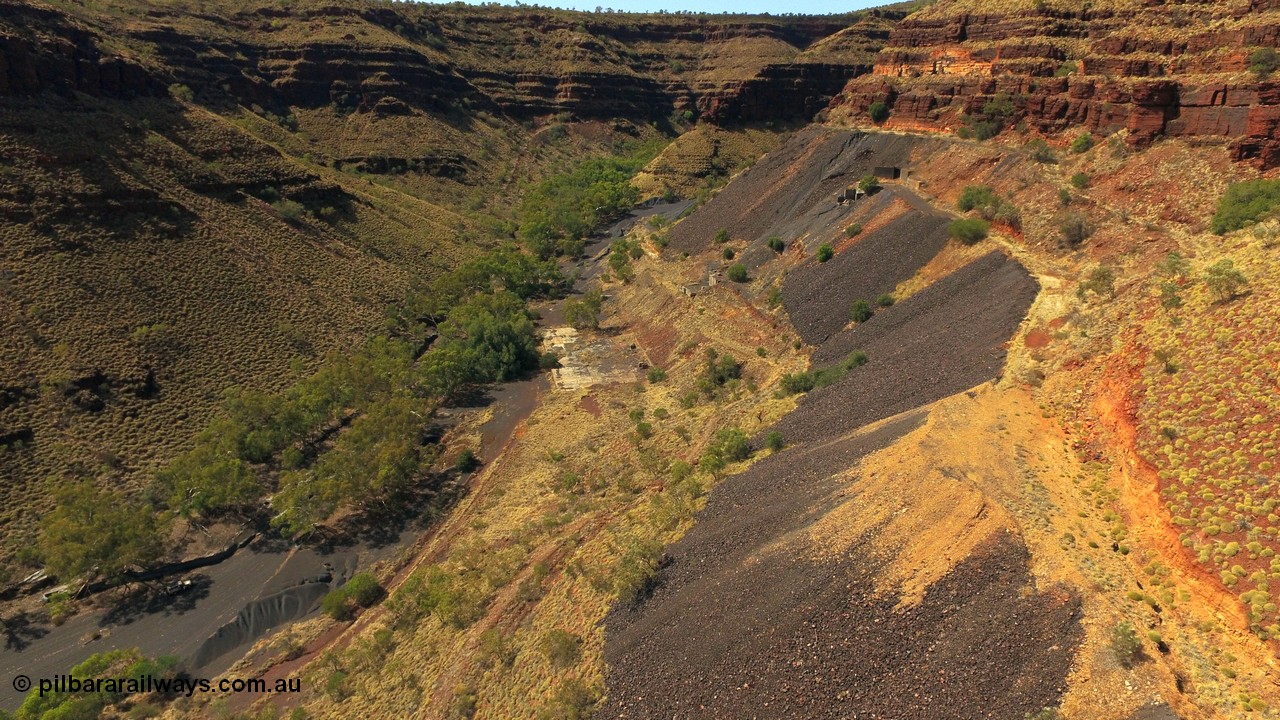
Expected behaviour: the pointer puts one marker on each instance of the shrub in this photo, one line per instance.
(776, 244)
(1263, 61)
(718, 371)
(869, 184)
(464, 702)
(825, 253)
(1080, 181)
(969, 230)
(1075, 229)
(181, 92)
(1041, 152)
(362, 590)
(1082, 144)
(1009, 215)
(731, 444)
(990, 121)
(861, 311)
(1174, 265)
(1224, 280)
(584, 313)
(657, 375)
(885, 300)
(737, 272)
(290, 210)
(549, 360)
(1064, 197)
(806, 381)
(879, 112)
(1101, 281)
(853, 230)
(727, 254)
(573, 700)
(1066, 68)
(1246, 203)
(977, 197)
(989, 205)
(722, 236)
(636, 573)
(773, 441)
(1126, 644)
(562, 648)
(466, 462)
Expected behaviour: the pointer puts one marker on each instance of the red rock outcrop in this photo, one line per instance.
(1171, 69)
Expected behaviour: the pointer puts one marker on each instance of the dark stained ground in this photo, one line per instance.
(736, 632)
(938, 342)
(791, 191)
(818, 296)
(743, 623)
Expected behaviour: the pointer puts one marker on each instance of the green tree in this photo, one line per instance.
(584, 313)
(737, 272)
(1080, 181)
(869, 184)
(1246, 203)
(210, 477)
(722, 236)
(1224, 281)
(879, 111)
(825, 253)
(94, 530)
(776, 244)
(372, 461)
(731, 444)
(1174, 265)
(487, 338)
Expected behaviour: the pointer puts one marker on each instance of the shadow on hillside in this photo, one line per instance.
(174, 597)
(19, 631)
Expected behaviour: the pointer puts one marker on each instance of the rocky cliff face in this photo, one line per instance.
(41, 49)
(1159, 69)
(429, 59)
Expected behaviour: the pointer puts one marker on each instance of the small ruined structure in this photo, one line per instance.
(850, 194)
(887, 173)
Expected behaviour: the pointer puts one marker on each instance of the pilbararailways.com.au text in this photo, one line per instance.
(165, 686)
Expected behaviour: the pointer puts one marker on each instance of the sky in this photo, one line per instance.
(807, 7)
